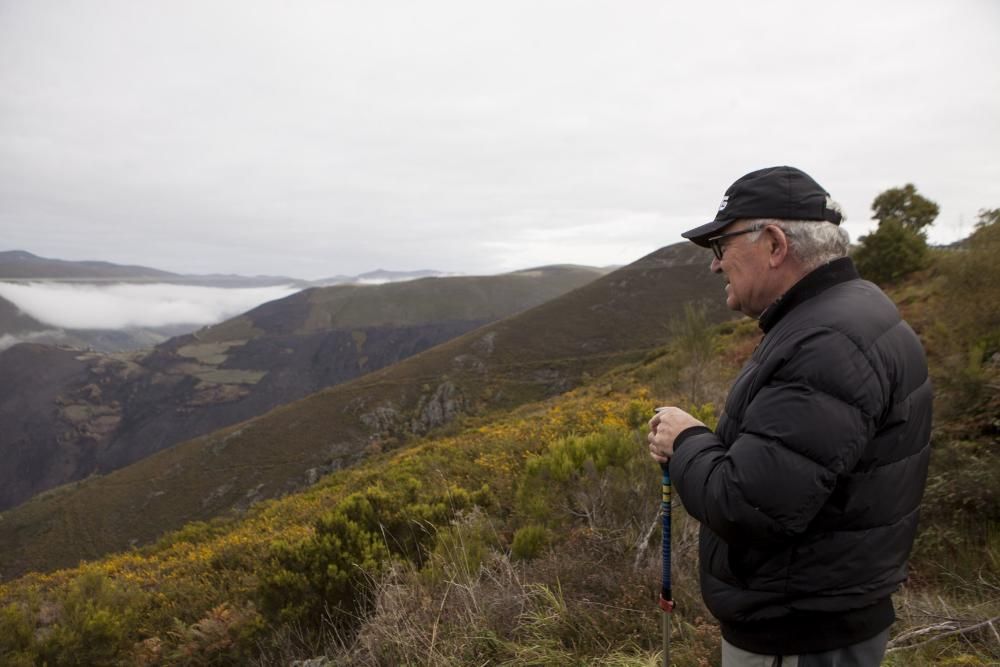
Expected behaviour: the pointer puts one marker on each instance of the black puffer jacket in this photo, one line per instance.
(808, 491)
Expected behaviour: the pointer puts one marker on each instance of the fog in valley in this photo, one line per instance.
(128, 306)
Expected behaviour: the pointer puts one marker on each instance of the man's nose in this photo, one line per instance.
(716, 265)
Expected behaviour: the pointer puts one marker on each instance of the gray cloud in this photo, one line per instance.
(315, 138)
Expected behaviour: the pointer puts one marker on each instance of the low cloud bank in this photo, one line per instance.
(124, 306)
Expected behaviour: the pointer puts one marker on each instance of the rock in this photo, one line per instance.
(382, 421)
(443, 406)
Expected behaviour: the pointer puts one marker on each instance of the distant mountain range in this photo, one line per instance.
(19, 265)
(380, 276)
(68, 413)
(615, 319)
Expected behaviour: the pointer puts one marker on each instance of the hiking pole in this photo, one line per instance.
(666, 594)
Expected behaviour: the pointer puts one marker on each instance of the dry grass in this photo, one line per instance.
(590, 600)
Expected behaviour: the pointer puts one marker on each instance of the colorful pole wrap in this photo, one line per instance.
(666, 594)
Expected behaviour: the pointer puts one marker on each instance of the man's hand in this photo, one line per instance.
(664, 429)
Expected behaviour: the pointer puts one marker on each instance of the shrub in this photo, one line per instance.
(462, 547)
(960, 512)
(603, 479)
(638, 413)
(16, 631)
(528, 542)
(222, 637)
(191, 533)
(968, 315)
(95, 625)
(353, 543)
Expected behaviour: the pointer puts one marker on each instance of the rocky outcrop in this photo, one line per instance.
(442, 406)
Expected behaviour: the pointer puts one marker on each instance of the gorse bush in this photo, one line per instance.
(325, 573)
(568, 457)
(705, 413)
(16, 636)
(638, 413)
(529, 541)
(582, 477)
(97, 616)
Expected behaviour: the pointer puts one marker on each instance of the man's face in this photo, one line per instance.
(744, 264)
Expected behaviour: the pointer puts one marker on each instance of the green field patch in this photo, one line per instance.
(230, 376)
(212, 354)
(238, 329)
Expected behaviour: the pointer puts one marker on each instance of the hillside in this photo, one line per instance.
(541, 352)
(14, 322)
(526, 536)
(74, 413)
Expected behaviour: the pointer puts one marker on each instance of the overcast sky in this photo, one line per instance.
(318, 138)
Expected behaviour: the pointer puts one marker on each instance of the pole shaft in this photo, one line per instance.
(666, 639)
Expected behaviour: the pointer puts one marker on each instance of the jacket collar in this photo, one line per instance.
(815, 282)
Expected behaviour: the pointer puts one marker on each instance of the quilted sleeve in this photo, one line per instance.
(807, 420)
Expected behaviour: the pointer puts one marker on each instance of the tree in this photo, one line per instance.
(905, 206)
(899, 246)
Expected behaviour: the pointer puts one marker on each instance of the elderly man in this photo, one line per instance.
(808, 490)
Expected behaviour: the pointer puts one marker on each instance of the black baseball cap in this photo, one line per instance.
(784, 193)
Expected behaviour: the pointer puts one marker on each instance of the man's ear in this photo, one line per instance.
(777, 244)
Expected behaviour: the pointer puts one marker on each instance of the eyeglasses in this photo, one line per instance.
(718, 249)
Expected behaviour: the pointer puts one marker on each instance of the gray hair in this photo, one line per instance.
(812, 242)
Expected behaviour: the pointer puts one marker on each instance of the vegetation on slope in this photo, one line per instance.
(529, 538)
